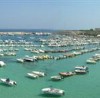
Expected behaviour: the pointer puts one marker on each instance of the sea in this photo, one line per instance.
(76, 86)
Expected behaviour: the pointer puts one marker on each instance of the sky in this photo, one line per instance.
(50, 14)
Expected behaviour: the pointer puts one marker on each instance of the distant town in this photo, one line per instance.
(91, 32)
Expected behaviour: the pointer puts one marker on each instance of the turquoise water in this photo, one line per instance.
(77, 86)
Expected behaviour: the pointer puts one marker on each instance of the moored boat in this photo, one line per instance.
(81, 69)
(40, 74)
(31, 75)
(90, 61)
(7, 81)
(20, 60)
(66, 74)
(56, 78)
(2, 63)
(28, 59)
(53, 91)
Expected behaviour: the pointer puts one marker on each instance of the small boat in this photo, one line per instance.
(56, 78)
(77, 53)
(32, 75)
(40, 74)
(81, 69)
(53, 91)
(7, 81)
(90, 61)
(10, 54)
(1, 54)
(97, 55)
(66, 74)
(20, 60)
(29, 59)
(2, 63)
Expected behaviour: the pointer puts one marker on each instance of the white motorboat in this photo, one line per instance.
(29, 59)
(81, 69)
(77, 53)
(1, 54)
(7, 81)
(53, 91)
(32, 75)
(56, 78)
(40, 74)
(97, 55)
(90, 61)
(20, 60)
(2, 63)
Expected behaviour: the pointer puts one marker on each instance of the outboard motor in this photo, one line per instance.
(7, 80)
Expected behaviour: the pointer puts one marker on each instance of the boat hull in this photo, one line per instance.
(10, 82)
(52, 91)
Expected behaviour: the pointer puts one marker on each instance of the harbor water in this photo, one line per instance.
(76, 86)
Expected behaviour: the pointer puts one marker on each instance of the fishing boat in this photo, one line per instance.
(7, 81)
(53, 91)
